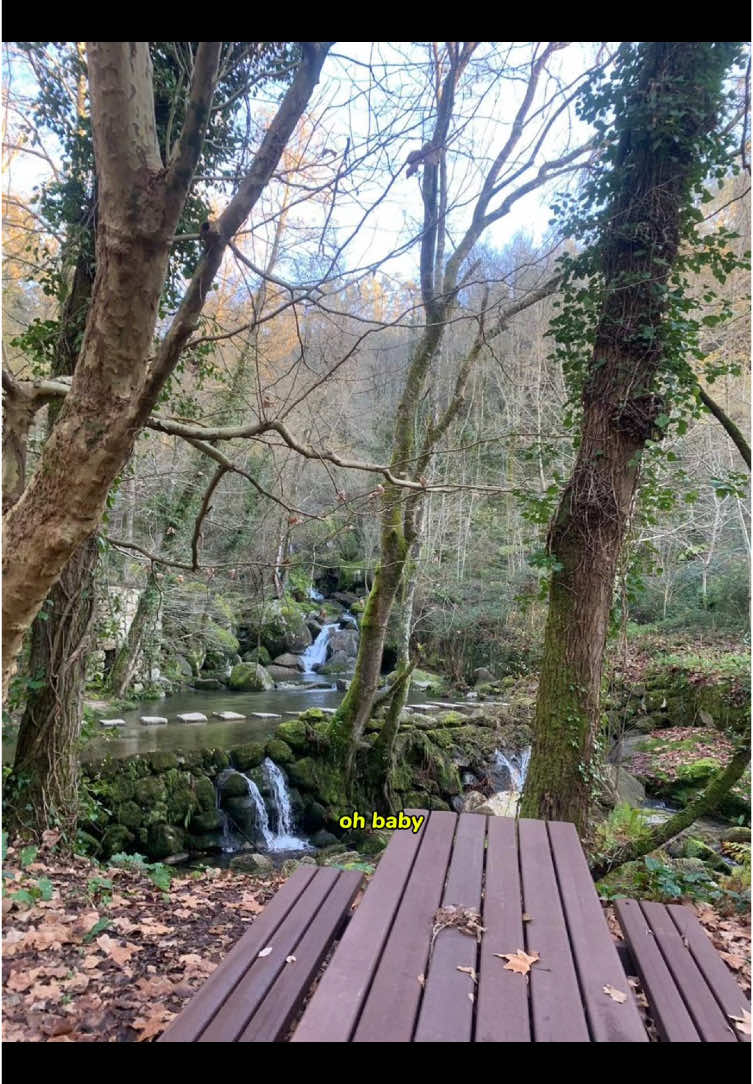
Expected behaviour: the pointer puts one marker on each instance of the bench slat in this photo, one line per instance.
(271, 1019)
(187, 1027)
(502, 1011)
(715, 971)
(708, 1018)
(557, 1009)
(391, 1006)
(332, 1013)
(596, 959)
(673, 1020)
(446, 1014)
(238, 1009)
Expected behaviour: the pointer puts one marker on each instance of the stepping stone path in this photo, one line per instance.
(191, 717)
(228, 716)
(153, 720)
(264, 715)
(112, 722)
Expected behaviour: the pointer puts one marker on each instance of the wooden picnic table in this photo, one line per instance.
(400, 976)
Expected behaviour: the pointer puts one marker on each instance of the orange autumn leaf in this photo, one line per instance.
(519, 962)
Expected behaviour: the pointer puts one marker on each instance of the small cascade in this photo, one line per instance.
(316, 654)
(315, 596)
(227, 843)
(284, 840)
(515, 768)
(262, 817)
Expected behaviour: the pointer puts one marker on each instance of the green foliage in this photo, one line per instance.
(157, 872)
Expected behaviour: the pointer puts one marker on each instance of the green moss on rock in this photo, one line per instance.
(249, 755)
(279, 751)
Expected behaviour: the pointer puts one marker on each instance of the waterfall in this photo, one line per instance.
(314, 595)
(516, 765)
(262, 817)
(284, 840)
(316, 655)
(226, 841)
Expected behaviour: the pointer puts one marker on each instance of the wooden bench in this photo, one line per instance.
(395, 977)
(692, 994)
(251, 998)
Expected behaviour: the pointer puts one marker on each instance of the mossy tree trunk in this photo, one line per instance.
(709, 799)
(670, 106)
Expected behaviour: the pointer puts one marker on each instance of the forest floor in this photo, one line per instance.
(96, 954)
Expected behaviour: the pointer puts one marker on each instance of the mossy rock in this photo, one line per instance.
(442, 738)
(165, 840)
(150, 791)
(295, 734)
(205, 794)
(121, 790)
(696, 848)
(162, 760)
(321, 779)
(182, 799)
(216, 760)
(209, 821)
(116, 838)
(258, 654)
(233, 785)
(250, 677)
(451, 718)
(129, 815)
(314, 814)
(249, 755)
(699, 772)
(279, 751)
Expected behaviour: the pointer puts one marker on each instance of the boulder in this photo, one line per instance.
(502, 804)
(249, 755)
(472, 800)
(282, 673)
(628, 788)
(164, 840)
(162, 760)
(250, 677)
(232, 784)
(252, 862)
(736, 835)
(337, 663)
(323, 838)
(211, 820)
(482, 675)
(258, 654)
(279, 751)
(292, 662)
(207, 683)
(344, 641)
(345, 598)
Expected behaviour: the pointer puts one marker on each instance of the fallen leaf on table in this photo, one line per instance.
(615, 994)
(735, 962)
(742, 1022)
(469, 971)
(421, 980)
(265, 951)
(520, 962)
(290, 959)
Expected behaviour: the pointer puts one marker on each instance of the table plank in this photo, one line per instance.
(712, 1025)
(392, 1003)
(271, 1019)
(502, 1014)
(187, 1027)
(446, 1014)
(332, 1013)
(673, 1020)
(240, 1006)
(718, 976)
(557, 1010)
(595, 953)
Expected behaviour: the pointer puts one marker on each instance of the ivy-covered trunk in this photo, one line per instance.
(44, 788)
(140, 628)
(666, 106)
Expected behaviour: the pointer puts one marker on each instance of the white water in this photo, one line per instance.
(316, 655)
(517, 766)
(262, 817)
(284, 840)
(315, 595)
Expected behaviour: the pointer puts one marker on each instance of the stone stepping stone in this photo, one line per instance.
(265, 715)
(328, 711)
(153, 720)
(422, 707)
(296, 713)
(191, 717)
(228, 716)
(112, 722)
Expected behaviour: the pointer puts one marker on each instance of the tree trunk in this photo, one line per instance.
(652, 176)
(140, 627)
(706, 802)
(44, 789)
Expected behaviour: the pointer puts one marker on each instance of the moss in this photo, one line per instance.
(248, 756)
(162, 760)
(258, 654)
(209, 821)
(164, 840)
(279, 751)
(205, 794)
(117, 838)
(150, 791)
(451, 718)
(121, 790)
(250, 677)
(234, 785)
(295, 734)
(699, 772)
(442, 738)
(182, 800)
(129, 815)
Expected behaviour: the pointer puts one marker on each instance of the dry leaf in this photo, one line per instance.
(615, 994)
(469, 971)
(742, 1022)
(265, 951)
(421, 980)
(290, 959)
(471, 997)
(520, 962)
